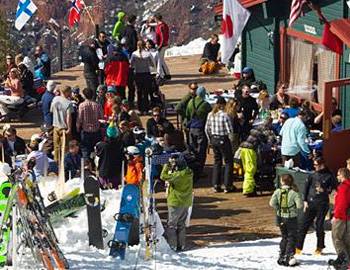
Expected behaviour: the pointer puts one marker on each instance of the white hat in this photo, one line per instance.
(51, 86)
(133, 150)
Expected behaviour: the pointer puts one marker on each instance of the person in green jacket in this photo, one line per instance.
(182, 105)
(286, 200)
(180, 186)
(196, 115)
(119, 26)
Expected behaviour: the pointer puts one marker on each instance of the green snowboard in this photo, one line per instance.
(7, 196)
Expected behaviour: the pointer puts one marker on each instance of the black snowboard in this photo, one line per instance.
(93, 206)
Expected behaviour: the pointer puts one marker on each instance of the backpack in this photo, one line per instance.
(195, 121)
(284, 202)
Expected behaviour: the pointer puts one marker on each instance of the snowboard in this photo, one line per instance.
(7, 196)
(68, 205)
(93, 206)
(127, 222)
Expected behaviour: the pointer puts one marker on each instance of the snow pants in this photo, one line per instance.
(289, 229)
(341, 237)
(176, 232)
(249, 162)
(318, 211)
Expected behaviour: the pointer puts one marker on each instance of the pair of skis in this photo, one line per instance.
(33, 224)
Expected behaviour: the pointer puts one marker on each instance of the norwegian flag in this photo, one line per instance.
(296, 10)
(75, 11)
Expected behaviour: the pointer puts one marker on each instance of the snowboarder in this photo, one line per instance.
(135, 166)
(180, 183)
(286, 200)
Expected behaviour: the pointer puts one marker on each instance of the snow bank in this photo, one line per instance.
(194, 47)
(261, 254)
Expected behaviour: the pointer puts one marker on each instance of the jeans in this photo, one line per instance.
(288, 227)
(164, 67)
(176, 232)
(199, 143)
(222, 150)
(318, 211)
(341, 237)
(88, 142)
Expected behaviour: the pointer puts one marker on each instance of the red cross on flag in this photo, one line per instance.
(234, 18)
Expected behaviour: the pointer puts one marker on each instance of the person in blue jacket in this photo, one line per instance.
(46, 101)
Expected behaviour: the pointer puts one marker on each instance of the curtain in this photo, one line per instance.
(326, 71)
(301, 68)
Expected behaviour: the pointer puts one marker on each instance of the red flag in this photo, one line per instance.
(74, 12)
(296, 10)
(331, 41)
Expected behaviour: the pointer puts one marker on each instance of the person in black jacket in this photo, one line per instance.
(318, 187)
(249, 109)
(157, 126)
(101, 43)
(110, 153)
(130, 35)
(13, 144)
(89, 58)
(211, 49)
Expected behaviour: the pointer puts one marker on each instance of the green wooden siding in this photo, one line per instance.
(331, 9)
(259, 48)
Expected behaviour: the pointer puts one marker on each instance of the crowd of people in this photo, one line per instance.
(248, 128)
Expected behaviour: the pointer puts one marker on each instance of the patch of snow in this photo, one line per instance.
(151, 7)
(260, 254)
(193, 47)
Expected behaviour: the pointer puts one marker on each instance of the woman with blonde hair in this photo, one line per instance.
(231, 110)
(141, 61)
(14, 85)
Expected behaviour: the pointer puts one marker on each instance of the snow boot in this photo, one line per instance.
(281, 260)
(291, 261)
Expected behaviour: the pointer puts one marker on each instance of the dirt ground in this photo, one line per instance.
(216, 217)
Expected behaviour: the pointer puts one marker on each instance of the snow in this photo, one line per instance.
(260, 254)
(151, 6)
(193, 47)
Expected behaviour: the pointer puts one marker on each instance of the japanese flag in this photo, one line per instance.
(234, 18)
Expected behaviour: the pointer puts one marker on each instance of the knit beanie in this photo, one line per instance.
(112, 131)
(201, 92)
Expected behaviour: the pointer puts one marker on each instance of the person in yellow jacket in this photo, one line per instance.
(135, 166)
(249, 162)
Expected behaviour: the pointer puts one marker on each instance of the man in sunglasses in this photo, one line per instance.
(157, 126)
(318, 187)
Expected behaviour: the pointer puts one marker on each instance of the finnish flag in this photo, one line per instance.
(25, 10)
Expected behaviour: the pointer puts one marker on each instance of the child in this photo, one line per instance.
(179, 199)
(109, 102)
(286, 201)
(72, 161)
(135, 166)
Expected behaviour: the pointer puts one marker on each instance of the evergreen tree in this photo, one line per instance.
(5, 44)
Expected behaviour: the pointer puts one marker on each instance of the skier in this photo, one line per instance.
(341, 222)
(135, 166)
(286, 200)
(180, 183)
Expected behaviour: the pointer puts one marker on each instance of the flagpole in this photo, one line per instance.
(88, 13)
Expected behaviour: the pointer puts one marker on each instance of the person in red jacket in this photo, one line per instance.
(117, 71)
(341, 221)
(162, 38)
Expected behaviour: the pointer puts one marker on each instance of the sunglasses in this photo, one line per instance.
(156, 115)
